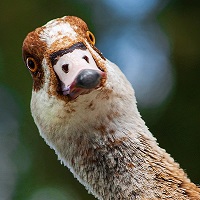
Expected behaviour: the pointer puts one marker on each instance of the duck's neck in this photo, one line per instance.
(107, 146)
(125, 163)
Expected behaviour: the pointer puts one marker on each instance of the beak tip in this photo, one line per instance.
(84, 82)
(88, 78)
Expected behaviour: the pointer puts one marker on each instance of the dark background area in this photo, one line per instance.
(29, 169)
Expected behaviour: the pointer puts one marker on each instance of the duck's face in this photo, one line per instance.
(63, 60)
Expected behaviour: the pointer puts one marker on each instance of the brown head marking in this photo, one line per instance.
(34, 48)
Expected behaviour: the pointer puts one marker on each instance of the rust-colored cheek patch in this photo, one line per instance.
(35, 48)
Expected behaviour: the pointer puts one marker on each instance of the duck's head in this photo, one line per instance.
(63, 60)
(71, 78)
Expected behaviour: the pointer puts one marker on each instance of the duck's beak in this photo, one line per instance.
(78, 73)
(84, 82)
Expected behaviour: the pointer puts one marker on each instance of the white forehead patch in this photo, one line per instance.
(56, 30)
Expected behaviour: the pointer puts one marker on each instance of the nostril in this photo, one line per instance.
(65, 68)
(86, 58)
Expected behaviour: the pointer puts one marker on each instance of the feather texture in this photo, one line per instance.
(100, 136)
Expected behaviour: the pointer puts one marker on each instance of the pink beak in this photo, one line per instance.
(84, 82)
(77, 71)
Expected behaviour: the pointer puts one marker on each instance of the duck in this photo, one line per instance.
(86, 111)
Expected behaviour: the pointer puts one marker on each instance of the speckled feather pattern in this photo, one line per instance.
(100, 136)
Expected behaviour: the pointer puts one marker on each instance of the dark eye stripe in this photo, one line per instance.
(54, 56)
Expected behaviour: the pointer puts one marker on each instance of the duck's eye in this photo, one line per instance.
(31, 64)
(91, 37)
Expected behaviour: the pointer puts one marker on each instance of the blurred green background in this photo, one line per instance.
(160, 54)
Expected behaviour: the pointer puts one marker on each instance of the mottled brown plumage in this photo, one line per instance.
(96, 132)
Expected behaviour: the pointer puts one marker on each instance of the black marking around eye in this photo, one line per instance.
(54, 56)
